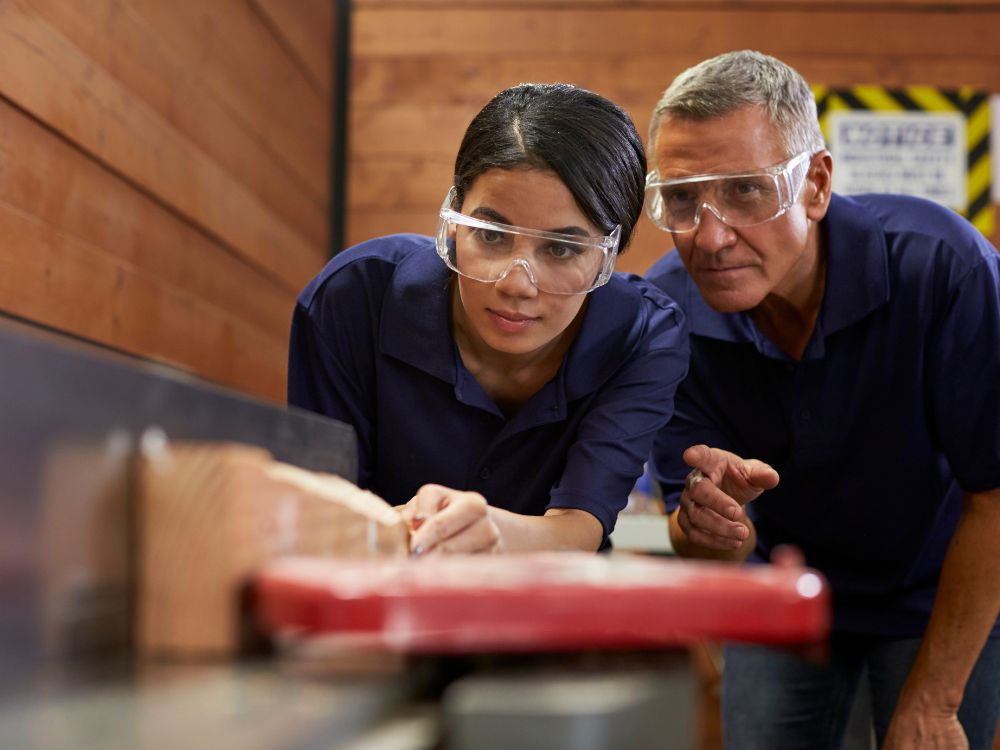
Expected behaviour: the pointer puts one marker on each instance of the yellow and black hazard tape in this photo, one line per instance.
(973, 104)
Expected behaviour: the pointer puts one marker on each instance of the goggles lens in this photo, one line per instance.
(739, 200)
(555, 263)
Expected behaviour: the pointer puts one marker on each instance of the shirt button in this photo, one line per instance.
(805, 414)
(484, 473)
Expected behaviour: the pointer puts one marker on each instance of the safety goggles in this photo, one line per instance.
(739, 200)
(554, 262)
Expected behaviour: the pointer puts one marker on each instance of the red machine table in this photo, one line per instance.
(537, 602)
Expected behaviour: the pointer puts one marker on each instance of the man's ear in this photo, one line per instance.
(819, 181)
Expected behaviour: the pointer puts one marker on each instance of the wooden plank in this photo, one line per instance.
(432, 128)
(366, 225)
(701, 32)
(937, 6)
(235, 54)
(306, 27)
(629, 78)
(399, 183)
(131, 52)
(46, 177)
(41, 71)
(211, 514)
(57, 280)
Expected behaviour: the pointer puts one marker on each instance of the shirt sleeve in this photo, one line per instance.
(964, 367)
(615, 436)
(331, 355)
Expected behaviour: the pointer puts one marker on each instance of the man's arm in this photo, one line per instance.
(966, 609)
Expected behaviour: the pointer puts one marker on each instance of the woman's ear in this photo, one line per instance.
(819, 182)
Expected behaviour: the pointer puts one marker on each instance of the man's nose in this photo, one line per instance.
(711, 232)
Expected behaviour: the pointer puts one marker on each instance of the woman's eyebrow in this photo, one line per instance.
(484, 212)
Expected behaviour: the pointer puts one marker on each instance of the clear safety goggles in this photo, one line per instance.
(554, 262)
(739, 200)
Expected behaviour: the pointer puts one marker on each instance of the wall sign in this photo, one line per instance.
(917, 140)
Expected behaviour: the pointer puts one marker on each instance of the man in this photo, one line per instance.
(852, 344)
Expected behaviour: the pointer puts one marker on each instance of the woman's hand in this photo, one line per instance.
(443, 520)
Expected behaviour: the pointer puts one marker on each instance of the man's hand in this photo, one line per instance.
(925, 731)
(711, 512)
(443, 520)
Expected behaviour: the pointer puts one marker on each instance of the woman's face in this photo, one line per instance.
(512, 316)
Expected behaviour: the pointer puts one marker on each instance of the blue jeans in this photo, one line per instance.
(775, 700)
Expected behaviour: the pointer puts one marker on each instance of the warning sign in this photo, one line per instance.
(916, 141)
(913, 153)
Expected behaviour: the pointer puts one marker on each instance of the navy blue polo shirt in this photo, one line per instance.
(371, 345)
(892, 412)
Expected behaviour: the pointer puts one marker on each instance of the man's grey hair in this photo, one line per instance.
(724, 84)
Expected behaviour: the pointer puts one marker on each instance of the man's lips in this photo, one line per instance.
(722, 269)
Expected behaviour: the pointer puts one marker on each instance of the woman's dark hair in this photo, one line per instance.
(587, 140)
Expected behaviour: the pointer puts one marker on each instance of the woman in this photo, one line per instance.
(506, 387)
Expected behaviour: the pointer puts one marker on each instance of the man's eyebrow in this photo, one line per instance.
(484, 212)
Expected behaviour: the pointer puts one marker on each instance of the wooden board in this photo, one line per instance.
(211, 514)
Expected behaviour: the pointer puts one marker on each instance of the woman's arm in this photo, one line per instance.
(444, 520)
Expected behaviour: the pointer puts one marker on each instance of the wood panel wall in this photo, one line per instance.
(421, 70)
(164, 167)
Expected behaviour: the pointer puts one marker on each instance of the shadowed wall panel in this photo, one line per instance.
(420, 72)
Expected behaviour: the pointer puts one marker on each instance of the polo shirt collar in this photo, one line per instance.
(605, 338)
(416, 324)
(857, 281)
(857, 276)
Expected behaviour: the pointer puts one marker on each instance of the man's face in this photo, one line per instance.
(737, 268)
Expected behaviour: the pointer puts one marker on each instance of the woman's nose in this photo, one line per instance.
(518, 279)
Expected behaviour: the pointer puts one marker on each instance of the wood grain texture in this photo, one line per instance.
(211, 514)
(165, 180)
(702, 31)
(132, 53)
(60, 281)
(45, 177)
(237, 55)
(422, 69)
(40, 70)
(934, 6)
(306, 27)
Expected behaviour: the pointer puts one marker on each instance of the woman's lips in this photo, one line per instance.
(510, 322)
